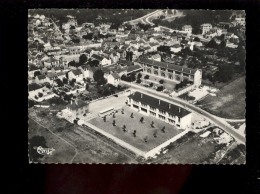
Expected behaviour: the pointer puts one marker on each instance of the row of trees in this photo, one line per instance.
(182, 84)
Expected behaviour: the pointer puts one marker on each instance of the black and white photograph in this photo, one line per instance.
(136, 86)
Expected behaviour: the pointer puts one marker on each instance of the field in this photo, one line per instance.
(193, 149)
(229, 102)
(237, 155)
(142, 129)
(72, 144)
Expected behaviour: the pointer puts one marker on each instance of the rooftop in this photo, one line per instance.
(33, 86)
(167, 65)
(75, 105)
(160, 104)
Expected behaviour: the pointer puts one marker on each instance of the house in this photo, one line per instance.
(159, 109)
(154, 46)
(121, 28)
(61, 75)
(176, 48)
(76, 74)
(187, 28)
(34, 90)
(106, 45)
(114, 56)
(102, 60)
(40, 79)
(113, 79)
(75, 109)
(32, 70)
(205, 27)
(51, 77)
(156, 57)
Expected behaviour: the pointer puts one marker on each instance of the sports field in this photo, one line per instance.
(142, 129)
(229, 102)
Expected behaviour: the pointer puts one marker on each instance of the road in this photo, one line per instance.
(144, 17)
(214, 119)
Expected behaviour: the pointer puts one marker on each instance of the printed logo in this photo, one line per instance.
(44, 151)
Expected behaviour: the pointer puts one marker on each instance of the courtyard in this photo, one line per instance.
(142, 129)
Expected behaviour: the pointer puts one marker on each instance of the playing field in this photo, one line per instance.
(142, 129)
(229, 102)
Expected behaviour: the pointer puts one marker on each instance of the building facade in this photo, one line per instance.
(169, 113)
(170, 71)
(205, 28)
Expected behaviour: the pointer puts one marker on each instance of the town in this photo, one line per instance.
(154, 86)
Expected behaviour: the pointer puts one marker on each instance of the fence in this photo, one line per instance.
(183, 90)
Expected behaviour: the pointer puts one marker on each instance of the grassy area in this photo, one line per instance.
(229, 102)
(142, 129)
(192, 149)
(69, 138)
(237, 155)
(236, 125)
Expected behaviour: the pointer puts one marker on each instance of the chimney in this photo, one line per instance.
(169, 106)
(179, 109)
(159, 101)
(141, 95)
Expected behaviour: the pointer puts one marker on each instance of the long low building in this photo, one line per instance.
(171, 71)
(160, 109)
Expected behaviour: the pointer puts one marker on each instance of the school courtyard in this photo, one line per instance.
(143, 129)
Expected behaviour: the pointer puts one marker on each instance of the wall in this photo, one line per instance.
(157, 149)
(185, 121)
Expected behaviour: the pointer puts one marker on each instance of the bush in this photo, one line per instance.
(159, 88)
(138, 81)
(151, 84)
(146, 77)
(161, 81)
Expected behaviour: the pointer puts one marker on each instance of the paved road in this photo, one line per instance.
(218, 121)
(144, 17)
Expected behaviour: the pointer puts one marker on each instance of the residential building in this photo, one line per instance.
(75, 110)
(34, 90)
(187, 28)
(175, 48)
(171, 71)
(76, 74)
(159, 109)
(40, 79)
(113, 79)
(205, 27)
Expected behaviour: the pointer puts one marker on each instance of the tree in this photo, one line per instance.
(114, 122)
(37, 73)
(65, 80)
(99, 77)
(124, 128)
(122, 111)
(133, 76)
(87, 87)
(151, 84)
(212, 44)
(59, 82)
(83, 58)
(138, 81)
(155, 134)
(146, 77)
(139, 75)
(163, 129)
(142, 119)
(159, 88)
(132, 115)
(222, 44)
(105, 118)
(152, 124)
(72, 82)
(123, 77)
(196, 39)
(161, 81)
(164, 49)
(40, 94)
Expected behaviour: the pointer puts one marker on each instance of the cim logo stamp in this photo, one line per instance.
(44, 151)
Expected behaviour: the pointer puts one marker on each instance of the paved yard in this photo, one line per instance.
(142, 129)
(168, 84)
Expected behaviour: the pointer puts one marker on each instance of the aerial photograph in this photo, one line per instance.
(136, 86)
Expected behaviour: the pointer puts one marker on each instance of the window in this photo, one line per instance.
(161, 117)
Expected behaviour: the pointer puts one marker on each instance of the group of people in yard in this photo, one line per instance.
(134, 133)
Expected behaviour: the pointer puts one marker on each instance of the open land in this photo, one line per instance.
(229, 102)
(72, 143)
(193, 149)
